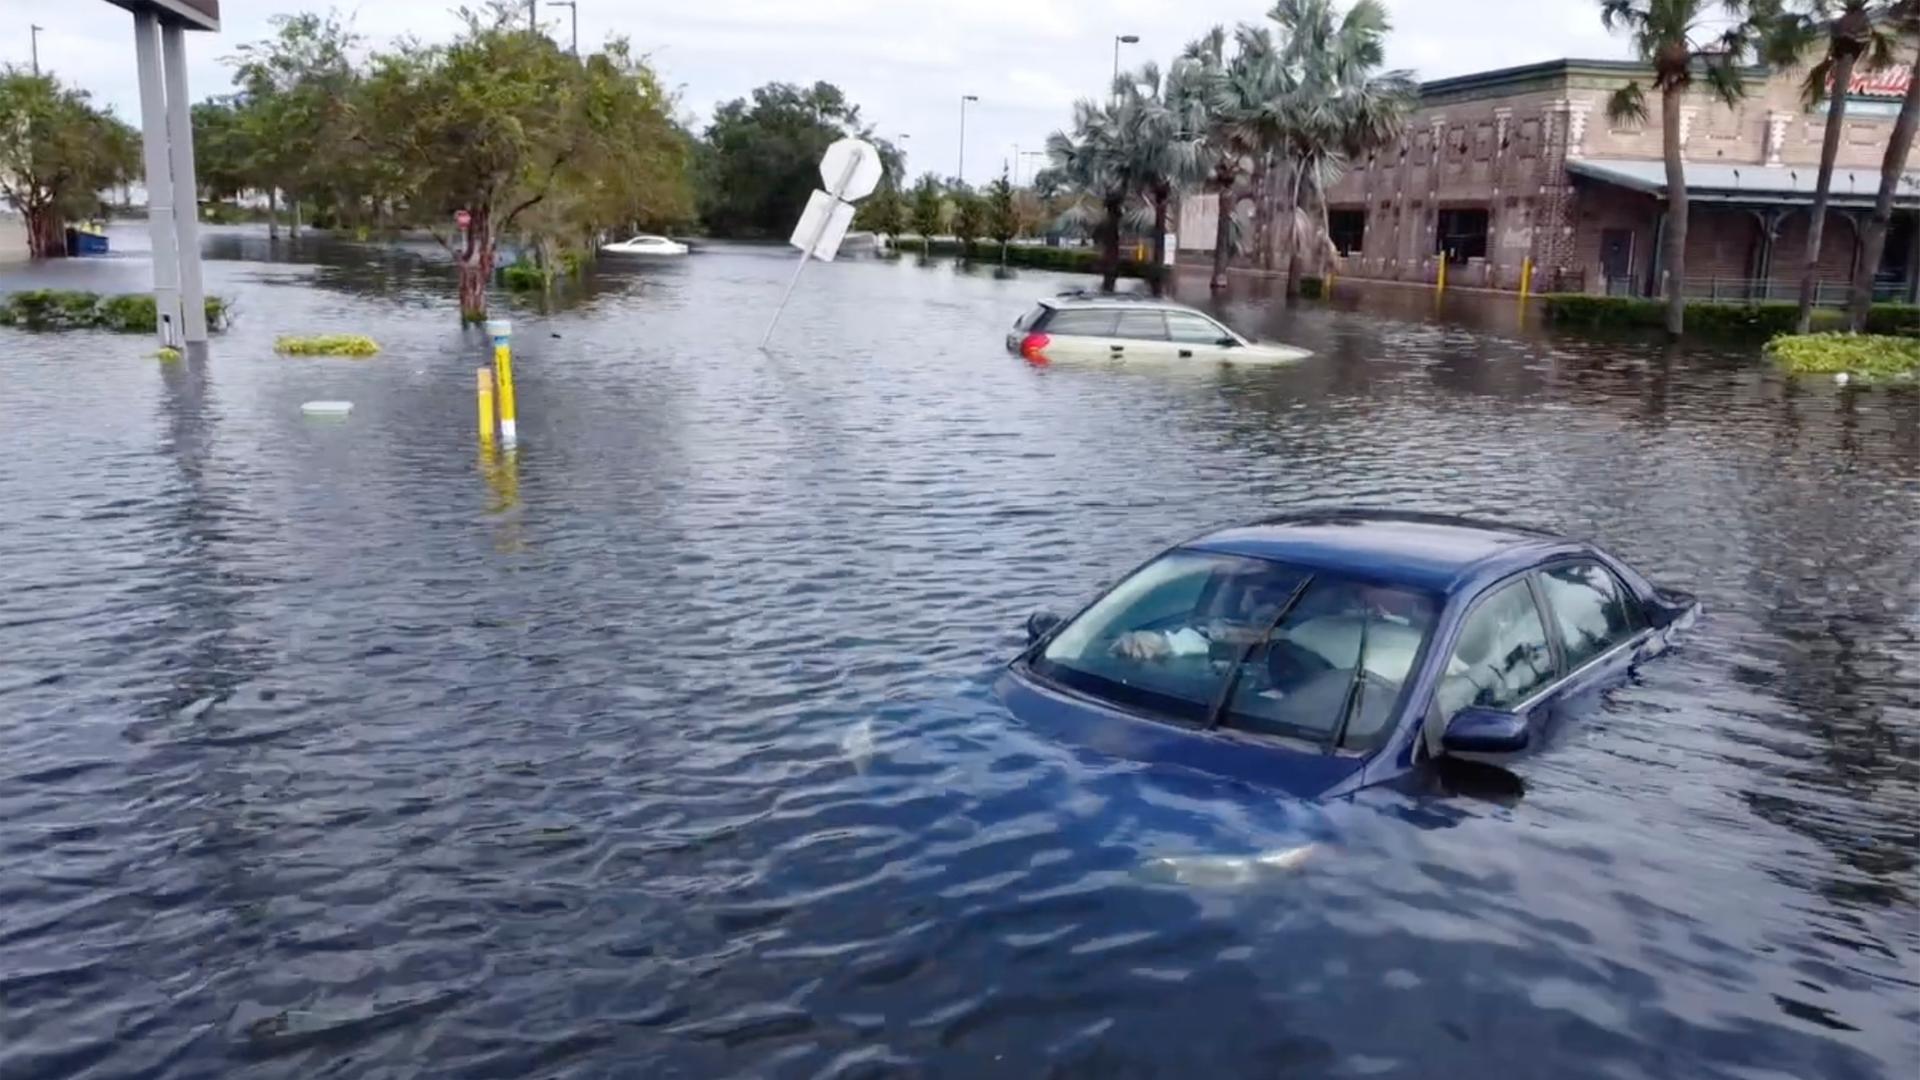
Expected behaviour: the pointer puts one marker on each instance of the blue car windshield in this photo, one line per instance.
(1168, 639)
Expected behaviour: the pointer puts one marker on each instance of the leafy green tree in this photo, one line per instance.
(220, 151)
(927, 208)
(1846, 32)
(760, 159)
(1684, 41)
(969, 218)
(1003, 215)
(57, 153)
(1905, 18)
(885, 213)
(296, 91)
(481, 124)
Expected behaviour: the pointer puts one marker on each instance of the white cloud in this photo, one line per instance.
(906, 62)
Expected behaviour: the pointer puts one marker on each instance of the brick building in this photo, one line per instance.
(1522, 163)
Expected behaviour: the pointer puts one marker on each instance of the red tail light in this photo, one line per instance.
(1031, 345)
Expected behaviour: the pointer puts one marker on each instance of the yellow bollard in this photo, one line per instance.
(1331, 278)
(1526, 279)
(501, 331)
(483, 393)
(1440, 283)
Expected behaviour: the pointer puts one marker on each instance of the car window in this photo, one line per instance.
(1025, 322)
(1166, 637)
(1590, 607)
(1501, 657)
(1093, 323)
(1342, 654)
(1192, 329)
(1142, 326)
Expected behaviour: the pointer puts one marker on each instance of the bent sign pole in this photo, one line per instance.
(851, 170)
(166, 135)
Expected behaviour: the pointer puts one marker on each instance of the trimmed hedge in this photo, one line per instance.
(67, 309)
(1869, 355)
(1071, 260)
(1765, 319)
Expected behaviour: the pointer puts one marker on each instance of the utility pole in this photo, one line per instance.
(34, 32)
(573, 12)
(533, 17)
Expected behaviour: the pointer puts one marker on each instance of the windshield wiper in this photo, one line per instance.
(1219, 707)
(1351, 700)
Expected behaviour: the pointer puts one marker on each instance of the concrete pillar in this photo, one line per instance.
(160, 200)
(186, 188)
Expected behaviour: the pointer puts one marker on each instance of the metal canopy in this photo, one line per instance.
(191, 14)
(1721, 182)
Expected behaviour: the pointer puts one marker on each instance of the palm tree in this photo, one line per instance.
(1849, 30)
(1161, 127)
(1682, 42)
(1229, 93)
(1343, 106)
(1090, 165)
(1904, 17)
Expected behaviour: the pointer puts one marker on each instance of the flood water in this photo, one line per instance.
(666, 747)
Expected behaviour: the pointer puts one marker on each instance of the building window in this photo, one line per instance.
(1347, 229)
(1461, 233)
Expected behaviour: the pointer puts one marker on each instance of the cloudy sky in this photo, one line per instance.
(906, 62)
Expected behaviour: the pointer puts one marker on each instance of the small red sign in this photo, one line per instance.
(461, 218)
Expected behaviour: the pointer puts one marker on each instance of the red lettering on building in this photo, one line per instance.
(1888, 82)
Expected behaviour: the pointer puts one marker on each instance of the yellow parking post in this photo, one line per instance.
(501, 330)
(483, 394)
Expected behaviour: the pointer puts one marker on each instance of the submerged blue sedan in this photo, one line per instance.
(1327, 652)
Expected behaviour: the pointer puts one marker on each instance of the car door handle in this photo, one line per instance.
(1185, 353)
(1117, 348)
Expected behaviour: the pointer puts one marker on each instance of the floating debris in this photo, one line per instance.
(327, 408)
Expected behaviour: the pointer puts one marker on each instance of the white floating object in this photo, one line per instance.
(327, 408)
(1841, 377)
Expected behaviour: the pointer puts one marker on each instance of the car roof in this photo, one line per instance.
(1439, 553)
(1080, 299)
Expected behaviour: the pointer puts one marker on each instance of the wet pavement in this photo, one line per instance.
(665, 746)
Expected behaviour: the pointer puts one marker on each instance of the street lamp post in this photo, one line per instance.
(1119, 40)
(961, 175)
(34, 32)
(573, 14)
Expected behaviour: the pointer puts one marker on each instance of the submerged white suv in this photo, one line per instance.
(1122, 326)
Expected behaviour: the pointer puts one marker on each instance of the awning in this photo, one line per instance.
(1790, 185)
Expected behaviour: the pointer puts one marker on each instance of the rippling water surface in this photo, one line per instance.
(666, 747)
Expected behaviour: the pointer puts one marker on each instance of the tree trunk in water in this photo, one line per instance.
(1675, 256)
(1223, 237)
(476, 267)
(1293, 233)
(273, 214)
(1110, 246)
(1157, 273)
(46, 234)
(1260, 188)
(1817, 224)
(1874, 241)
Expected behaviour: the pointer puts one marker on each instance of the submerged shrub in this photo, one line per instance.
(326, 345)
(66, 309)
(1871, 355)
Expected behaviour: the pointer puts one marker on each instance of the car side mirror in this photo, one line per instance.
(1040, 624)
(1227, 343)
(1477, 730)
